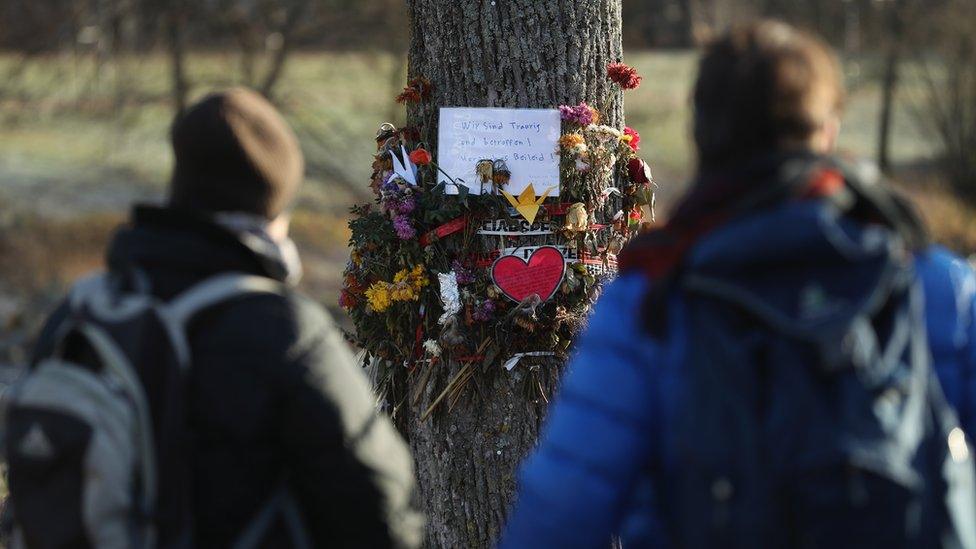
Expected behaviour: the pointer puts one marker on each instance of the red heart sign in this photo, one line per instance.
(541, 274)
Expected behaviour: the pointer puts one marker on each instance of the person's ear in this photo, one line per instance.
(278, 227)
(826, 138)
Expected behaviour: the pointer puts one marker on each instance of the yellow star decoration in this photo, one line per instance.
(526, 203)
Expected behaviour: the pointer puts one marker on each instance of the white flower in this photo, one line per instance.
(604, 131)
(582, 166)
(432, 347)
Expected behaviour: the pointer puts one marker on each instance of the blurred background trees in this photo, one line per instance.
(88, 88)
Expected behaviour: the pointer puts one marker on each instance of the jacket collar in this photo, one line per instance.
(171, 239)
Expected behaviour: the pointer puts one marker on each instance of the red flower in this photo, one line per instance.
(347, 301)
(639, 172)
(408, 95)
(623, 75)
(634, 138)
(417, 90)
(420, 157)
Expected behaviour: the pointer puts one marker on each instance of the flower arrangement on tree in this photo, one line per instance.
(424, 285)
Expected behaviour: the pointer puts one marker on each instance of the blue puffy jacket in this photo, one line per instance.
(589, 477)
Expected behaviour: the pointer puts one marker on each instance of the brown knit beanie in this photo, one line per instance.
(235, 153)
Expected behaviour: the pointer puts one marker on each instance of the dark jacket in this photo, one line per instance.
(274, 393)
(619, 404)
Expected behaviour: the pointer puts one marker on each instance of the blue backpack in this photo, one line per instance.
(811, 413)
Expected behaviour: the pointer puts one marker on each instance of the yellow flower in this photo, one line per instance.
(571, 140)
(596, 115)
(378, 296)
(402, 291)
(417, 278)
(405, 287)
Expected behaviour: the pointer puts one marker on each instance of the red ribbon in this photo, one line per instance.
(450, 227)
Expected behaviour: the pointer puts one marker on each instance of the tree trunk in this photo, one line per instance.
(889, 83)
(175, 21)
(501, 53)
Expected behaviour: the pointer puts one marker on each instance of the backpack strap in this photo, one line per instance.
(212, 291)
(281, 503)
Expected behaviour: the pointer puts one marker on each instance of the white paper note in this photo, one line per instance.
(525, 139)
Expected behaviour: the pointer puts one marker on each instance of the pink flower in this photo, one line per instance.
(581, 114)
(634, 140)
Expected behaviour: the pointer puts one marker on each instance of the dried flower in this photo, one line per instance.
(501, 174)
(485, 170)
(432, 348)
(484, 311)
(408, 95)
(623, 75)
(346, 300)
(631, 137)
(603, 132)
(581, 114)
(462, 273)
(404, 229)
(573, 142)
(417, 90)
(420, 157)
(378, 297)
(639, 172)
(577, 218)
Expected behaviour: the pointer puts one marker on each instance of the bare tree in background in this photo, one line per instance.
(895, 14)
(264, 28)
(950, 105)
(176, 17)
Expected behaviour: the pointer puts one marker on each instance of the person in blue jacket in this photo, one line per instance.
(771, 218)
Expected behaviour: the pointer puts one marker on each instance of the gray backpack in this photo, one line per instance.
(95, 435)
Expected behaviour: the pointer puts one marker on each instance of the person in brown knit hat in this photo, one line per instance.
(281, 417)
(234, 152)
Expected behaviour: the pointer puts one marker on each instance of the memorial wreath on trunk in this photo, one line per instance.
(447, 270)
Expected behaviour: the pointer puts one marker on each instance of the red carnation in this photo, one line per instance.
(420, 157)
(639, 171)
(634, 138)
(623, 75)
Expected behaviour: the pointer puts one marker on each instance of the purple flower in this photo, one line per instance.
(390, 185)
(581, 114)
(403, 228)
(484, 312)
(406, 205)
(463, 274)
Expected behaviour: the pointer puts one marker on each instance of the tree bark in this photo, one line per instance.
(501, 53)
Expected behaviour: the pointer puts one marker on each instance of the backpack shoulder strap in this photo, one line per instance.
(218, 289)
(212, 291)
